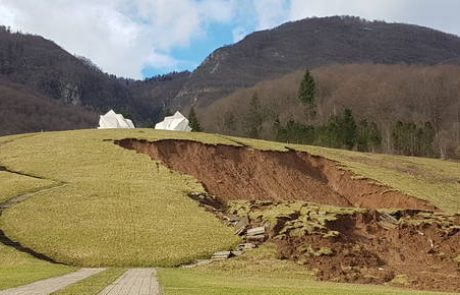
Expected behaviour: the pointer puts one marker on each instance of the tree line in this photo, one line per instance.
(407, 110)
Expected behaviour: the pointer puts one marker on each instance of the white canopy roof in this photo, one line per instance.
(114, 120)
(175, 122)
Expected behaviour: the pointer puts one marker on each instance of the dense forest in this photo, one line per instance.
(410, 110)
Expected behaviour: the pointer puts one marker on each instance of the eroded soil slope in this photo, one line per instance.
(239, 173)
(406, 248)
(321, 215)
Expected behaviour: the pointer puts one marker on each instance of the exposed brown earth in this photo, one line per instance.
(411, 247)
(421, 255)
(239, 173)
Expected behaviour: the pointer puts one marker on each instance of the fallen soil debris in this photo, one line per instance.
(363, 246)
(319, 215)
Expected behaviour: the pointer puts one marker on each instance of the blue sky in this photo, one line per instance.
(141, 38)
(192, 55)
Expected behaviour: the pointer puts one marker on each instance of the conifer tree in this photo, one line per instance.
(307, 89)
(348, 129)
(253, 119)
(193, 119)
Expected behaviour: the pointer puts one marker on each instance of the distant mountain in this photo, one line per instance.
(46, 70)
(311, 43)
(23, 110)
(40, 68)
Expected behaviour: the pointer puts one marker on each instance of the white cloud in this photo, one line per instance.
(125, 36)
(270, 13)
(257, 15)
(239, 33)
(442, 15)
(120, 36)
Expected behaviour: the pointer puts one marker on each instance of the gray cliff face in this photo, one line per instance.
(71, 94)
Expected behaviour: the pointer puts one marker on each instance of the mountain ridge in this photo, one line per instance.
(41, 65)
(332, 40)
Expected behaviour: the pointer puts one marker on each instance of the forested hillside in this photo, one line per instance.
(312, 43)
(392, 87)
(45, 69)
(26, 111)
(412, 110)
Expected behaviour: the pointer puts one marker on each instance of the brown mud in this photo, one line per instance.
(414, 246)
(240, 173)
(416, 253)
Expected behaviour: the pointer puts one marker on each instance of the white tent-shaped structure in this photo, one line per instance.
(176, 122)
(114, 120)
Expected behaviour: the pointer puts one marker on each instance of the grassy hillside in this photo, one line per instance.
(115, 208)
(18, 269)
(16, 184)
(119, 208)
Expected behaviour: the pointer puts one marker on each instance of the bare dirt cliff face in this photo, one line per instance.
(413, 246)
(238, 173)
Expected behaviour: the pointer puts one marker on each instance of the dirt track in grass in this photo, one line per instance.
(240, 173)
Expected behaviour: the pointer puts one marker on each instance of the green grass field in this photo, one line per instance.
(13, 185)
(94, 284)
(97, 204)
(117, 209)
(257, 272)
(18, 269)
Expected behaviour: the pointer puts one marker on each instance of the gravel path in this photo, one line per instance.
(48, 286)
(136, 281)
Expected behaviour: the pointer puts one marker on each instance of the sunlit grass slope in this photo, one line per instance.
(18, 269)
(430, 179)
(117, 208)
(257, 272)
(13, 185)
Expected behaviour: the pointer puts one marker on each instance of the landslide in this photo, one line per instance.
(404, 248)
(320, 215)
(241, 173)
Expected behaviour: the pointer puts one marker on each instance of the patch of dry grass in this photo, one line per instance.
(118, 208)
(18, 269)
(94, 284)
(13, 185)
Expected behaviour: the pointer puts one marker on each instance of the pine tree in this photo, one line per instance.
(368, 136)
(253, 119)
(425, 138)
(348, 129)
(307, 89)
(229, 122)
(194, 123)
